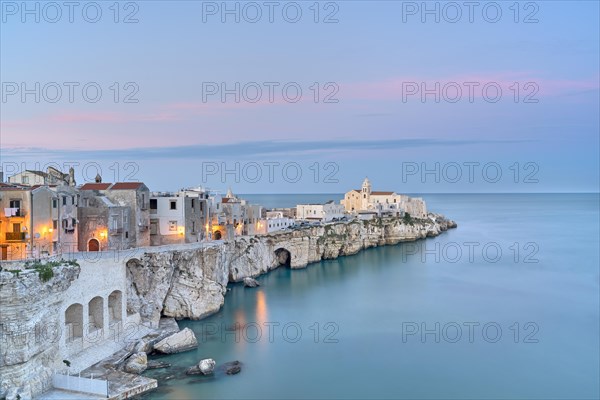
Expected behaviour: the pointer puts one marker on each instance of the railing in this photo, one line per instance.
(79, 384)
(15, 236)
(19, 213)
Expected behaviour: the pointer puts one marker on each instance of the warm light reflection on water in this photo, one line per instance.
(261, 308)
(238, 327)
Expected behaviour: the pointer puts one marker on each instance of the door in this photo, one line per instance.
(93, 245)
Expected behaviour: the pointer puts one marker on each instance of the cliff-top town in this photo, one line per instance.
(44, 214)
(66, 264)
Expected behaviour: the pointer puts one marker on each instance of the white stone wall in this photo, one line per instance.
(99, 278)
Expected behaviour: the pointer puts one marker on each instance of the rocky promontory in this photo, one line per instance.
(191, 282)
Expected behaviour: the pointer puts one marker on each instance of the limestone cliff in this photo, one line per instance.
(183, 281)
(29, 329)
(191, 282)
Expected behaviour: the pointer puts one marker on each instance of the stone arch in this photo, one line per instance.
(74, 322)
(115, 306)
(93, 245)
(96, 313)
(283, 257)
(133, 262)
(217, 235)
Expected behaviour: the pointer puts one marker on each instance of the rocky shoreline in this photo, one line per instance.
(245, 259)
(191, 282)
(161, 284)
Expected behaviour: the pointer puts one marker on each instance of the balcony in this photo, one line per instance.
(17, 212)
(116, 231)
(15, 236)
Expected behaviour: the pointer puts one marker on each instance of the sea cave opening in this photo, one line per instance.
(283, 257)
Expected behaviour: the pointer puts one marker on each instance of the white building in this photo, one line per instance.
(383, 203)
(274, 221)
(320, 212)
(177, 217)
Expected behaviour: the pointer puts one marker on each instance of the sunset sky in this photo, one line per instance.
(372, 56)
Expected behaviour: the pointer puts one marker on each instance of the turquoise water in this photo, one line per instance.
(370, 309)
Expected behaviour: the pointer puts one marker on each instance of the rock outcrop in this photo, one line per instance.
(251, 282)
(233, 367)
(137, 363)
(178, 342)
(204, 367)
(29, 310)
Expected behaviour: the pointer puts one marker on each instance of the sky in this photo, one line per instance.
(305, 97)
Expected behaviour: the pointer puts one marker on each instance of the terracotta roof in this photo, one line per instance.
(126, 186)
(95, 186)
(381, 193)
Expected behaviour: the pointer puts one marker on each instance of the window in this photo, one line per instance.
(194, 203)
(64, 200)
(25, 179)
(153, 204)
(172, 226)
(55, 224)
(73, 200)
(193, 226)
(15, 204)
(173, 204)
(126, 235)
(54, 203)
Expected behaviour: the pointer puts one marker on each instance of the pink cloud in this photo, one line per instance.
(396, 87)
(110, 117)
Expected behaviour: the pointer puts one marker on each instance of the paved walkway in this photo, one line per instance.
(58, 394)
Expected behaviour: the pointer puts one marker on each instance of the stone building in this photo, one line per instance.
(113, 216)
(178, 217)
(320, 212)
(52, 176)
(383, 203)
(36, 221)
(232, 216)
(274, 221)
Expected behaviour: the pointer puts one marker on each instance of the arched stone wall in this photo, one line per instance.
(74, 322)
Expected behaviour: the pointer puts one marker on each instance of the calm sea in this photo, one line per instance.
(505, 306)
